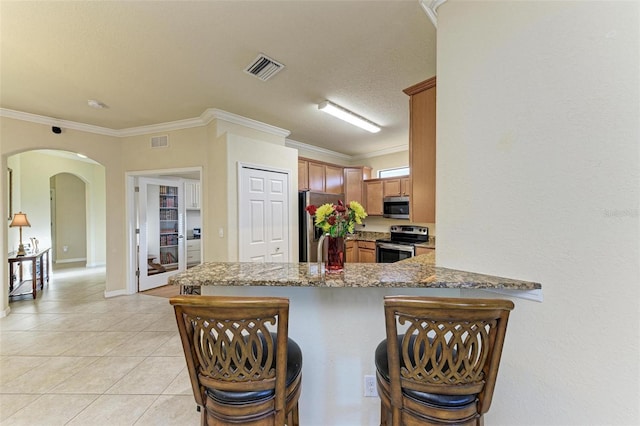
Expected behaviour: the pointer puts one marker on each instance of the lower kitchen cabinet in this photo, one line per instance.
(351, 251)
(360, 251)
(423, 250)
(193, 252)
(366, 252)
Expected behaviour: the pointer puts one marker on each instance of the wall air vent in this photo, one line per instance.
(264, 67)
(160, 141)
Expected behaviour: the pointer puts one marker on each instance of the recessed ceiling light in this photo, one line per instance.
(96, 104)
(348, 116)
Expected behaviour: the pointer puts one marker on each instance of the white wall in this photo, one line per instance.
(538, 179)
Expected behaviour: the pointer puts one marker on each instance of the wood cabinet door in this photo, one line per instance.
(351, 252)
(353, 185)
(303, 175)
(423, 250)
(366, 252)
(373, 193)
(391, 187)
(405, 186)
(316, 177)
(334, 176)
(422, 151)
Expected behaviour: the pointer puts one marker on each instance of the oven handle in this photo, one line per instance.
(396, 247)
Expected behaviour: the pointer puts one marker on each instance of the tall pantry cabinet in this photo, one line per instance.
(422, 150)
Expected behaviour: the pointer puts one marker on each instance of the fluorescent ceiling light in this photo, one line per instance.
(348, 116)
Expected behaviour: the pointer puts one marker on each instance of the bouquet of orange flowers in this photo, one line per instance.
(338, 220)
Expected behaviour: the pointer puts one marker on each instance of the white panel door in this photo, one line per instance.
(264, 216)
(161, 241)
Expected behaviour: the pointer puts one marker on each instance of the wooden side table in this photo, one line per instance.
(39, 271)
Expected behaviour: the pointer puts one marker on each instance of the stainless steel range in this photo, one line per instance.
(402, 243)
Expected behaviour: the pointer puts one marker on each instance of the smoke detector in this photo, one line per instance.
(96, 104)
(263, 67)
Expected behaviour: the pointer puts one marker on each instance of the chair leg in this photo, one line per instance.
(383, 415)
(396, 416)
(294, 419)
(203, 416)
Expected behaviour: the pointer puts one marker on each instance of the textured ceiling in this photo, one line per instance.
(156, 62)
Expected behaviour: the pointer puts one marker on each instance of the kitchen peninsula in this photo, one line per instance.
(338, 319)
(411, 273)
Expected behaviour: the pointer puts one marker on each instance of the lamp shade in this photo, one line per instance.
(19, 219)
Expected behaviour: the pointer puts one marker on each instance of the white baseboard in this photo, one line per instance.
(79, 259)
(96, 265)
(115, 293)
(5, 312)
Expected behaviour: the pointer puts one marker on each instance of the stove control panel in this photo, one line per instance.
(409, 229)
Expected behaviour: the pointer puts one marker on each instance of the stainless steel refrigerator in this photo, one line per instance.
(308, 234)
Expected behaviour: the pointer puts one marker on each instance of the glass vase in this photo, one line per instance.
(335, 254)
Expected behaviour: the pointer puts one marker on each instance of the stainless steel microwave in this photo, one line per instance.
(396, 207)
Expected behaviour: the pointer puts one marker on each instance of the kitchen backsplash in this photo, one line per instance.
(381, 224)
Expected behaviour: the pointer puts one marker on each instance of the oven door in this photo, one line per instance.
(389, 252)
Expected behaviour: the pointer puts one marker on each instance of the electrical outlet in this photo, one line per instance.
(370, 388)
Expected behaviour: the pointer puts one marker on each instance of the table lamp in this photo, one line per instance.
(20, 220)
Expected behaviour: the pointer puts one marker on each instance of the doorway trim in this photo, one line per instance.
(130, 211)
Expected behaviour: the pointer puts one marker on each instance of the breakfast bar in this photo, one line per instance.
(416, 272)
(338, 318)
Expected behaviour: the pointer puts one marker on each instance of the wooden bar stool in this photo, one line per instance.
(439, 362)
(243, 367)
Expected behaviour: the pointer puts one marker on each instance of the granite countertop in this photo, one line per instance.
(417, 273)
(428, 259)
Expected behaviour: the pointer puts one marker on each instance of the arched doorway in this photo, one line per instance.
(68, 203)
(79, 190)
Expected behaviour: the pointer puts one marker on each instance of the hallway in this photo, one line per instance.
(72, 357)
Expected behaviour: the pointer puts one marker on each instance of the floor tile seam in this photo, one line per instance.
(35, 401)
(146, 409)
(173, 379)
(134, 338)
(55, 385)
(106, 392)
(84, 408)
(80, 371)
(142, 359)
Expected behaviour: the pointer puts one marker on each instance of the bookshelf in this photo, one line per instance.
(168, 222)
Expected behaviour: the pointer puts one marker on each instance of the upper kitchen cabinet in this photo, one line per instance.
(320, 177)
(353, 183)
(303, 175)
(422, 150)
(373, 192)
(334, 176)
(192, 194)
(316, 177)
(396, 187)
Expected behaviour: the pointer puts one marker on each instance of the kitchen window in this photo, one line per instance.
(394, 172)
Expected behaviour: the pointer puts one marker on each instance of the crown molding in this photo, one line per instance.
(247, 122)
(50, 121)
(205, 118)
(300, 145)
(430, 7)
(385, 151)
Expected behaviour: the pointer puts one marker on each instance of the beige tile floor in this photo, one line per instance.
(72, 357)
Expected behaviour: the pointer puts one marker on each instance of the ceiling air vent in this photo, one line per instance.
(264, 67)
(160, 141)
